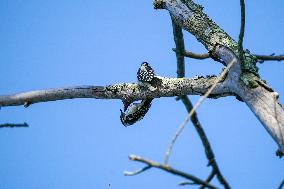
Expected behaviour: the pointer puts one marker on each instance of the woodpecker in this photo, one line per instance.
(146, 76)
(135, 112)
(145, 73)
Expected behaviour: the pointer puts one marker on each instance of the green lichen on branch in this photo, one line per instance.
(209, 34)
(122, 90)
(249, 79)
(249, 75)
(193, 6)
(205, 29)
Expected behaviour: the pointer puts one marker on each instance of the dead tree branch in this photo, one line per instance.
(171, 170)
(242, 33)
(209, 178)
(260, 58)
(178, 38)
(12, 125)
(245, 82)
(200, 100)
(124, 91)
(133, 173)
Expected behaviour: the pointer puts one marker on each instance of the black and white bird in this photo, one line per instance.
(145, 73)
(146, 76)
(135, 112)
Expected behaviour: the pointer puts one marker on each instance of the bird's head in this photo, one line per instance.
(145, 64)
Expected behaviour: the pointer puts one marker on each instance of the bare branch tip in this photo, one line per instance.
(132, 173)
(132, 157)
(186, 183)
(12, 125)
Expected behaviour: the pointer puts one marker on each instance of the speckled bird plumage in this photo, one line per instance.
(135, 112)
(145, 73)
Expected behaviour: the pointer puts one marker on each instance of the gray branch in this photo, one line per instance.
(260, 98)
(272, 57)
(13, 125)
(171, 170)
(124, 91)
(179, 41)
(260, 58)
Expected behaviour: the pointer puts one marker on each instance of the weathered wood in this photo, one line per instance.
(124, 91)
(245, 82)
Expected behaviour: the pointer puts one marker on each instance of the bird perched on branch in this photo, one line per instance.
(136, 111)
(146, 77)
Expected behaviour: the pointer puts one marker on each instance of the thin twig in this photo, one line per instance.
(200, 100)
(190, 54)
(208, 149)
(241, 35)
(171, 170)
(186, 183)
(132, 173)
(260, 58)
(179, 42)
(209, 178)
(178, 38)
(12, 125)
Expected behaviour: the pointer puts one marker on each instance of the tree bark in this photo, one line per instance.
(124, 91)
(245, 81)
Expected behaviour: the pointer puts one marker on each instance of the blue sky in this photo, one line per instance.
(81, 143)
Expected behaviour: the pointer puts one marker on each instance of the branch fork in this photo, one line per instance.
(243, 81)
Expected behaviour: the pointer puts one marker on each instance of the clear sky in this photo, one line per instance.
(81, 143)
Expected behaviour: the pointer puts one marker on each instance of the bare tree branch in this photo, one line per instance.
(209, 178)
(12, 125)
(200, 100)
(124, 91)
(241, 35)
(250, 88)
(128, 173)
(262, 100)
(171, 170)
(195, 55)
(260, 58)
(178, 38)
(186, 183)
(179, 42)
